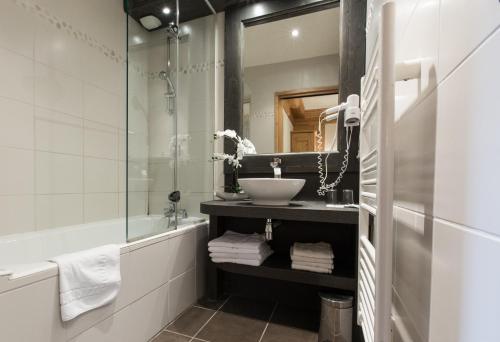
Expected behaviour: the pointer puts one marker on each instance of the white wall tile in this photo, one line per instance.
(100, 206)
(137, 203)
(119, 327)
(414, 247)
(467, 158)
(101, 141)
(182, 250)
(58, 91)
(103, 72)
(58, 48)
(17, 29)
(58, 132)
(58, 173)
(463, 26)
(201, 261)
(25, 315)
(16, 128)
(16, 176)
(181, 293)
(102, 106)
(157, 202)
(465, 305)
(100, 175)
(415, 143)
(17, 214)
(58, 210)
(151, 313)
(17, 75)
(150, 267)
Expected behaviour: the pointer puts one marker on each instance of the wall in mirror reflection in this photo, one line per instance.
(291, 75)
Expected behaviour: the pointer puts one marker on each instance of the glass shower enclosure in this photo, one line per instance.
(170, 119)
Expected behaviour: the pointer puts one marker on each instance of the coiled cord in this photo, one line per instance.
(323, 175)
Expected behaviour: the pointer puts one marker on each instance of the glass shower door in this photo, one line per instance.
(152, 130)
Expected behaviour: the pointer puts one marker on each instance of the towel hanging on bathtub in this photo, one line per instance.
(88, 279)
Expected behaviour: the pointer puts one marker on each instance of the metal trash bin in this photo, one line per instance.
(336, 318)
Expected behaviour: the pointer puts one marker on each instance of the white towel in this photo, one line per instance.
(239, 261)
(311, 269)
(320, 261)
(313, 264)
(88, 279)
(261, 249)
(232, 239)
(313, 250)
(248, 256)
(252, 262)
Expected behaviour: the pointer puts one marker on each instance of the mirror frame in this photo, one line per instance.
(352, 66)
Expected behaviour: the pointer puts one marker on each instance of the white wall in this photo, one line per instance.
(62, 112)
(263, 81)
(447, 237)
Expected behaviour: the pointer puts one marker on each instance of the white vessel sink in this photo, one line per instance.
(271, 191)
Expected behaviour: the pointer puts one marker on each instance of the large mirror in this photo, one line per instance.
(291, 75)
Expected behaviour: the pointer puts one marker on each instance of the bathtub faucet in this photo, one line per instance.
(173, 214)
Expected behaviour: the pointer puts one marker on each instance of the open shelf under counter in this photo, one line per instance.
(278, 267)
(312, 211)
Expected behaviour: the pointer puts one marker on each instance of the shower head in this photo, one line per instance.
(163, 75)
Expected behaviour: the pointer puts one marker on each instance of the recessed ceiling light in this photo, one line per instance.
(166, 10)
(259, 10)
(295, 33)
(137, 39)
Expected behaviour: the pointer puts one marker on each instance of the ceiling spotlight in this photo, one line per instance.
(137, 40)
(166, 10)
(295, 33)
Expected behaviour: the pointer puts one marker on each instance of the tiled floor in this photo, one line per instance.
(237, 319)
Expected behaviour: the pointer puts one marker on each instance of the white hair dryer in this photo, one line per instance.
(352, 115)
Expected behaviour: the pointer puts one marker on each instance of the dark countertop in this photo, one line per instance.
(313, 211)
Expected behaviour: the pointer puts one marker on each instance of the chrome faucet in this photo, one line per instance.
(173, 214)
(276, 169)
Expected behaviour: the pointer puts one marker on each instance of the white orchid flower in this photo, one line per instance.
(249, 146)
(228, 133)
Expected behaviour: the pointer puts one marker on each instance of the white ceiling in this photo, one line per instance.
(270, 43)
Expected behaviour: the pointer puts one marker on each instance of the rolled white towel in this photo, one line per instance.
(236, 240)
(321, 250)
(311, 269)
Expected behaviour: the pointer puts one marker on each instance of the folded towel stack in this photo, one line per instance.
(246, 249)
(314, 257)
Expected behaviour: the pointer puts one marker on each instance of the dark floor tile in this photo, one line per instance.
(253, 308)
(170, 337)
(213, 304)
(191, 321)
(292, 325)
(240, 319)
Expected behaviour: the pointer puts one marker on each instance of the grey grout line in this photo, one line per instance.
(177, 333)
(201, 307)
(267, 324)
(204, 325)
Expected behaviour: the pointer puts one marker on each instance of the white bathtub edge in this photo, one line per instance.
(48, 269)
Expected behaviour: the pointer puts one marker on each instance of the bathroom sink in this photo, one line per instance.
(271, 191)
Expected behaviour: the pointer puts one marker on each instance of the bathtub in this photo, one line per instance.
(163, 273)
